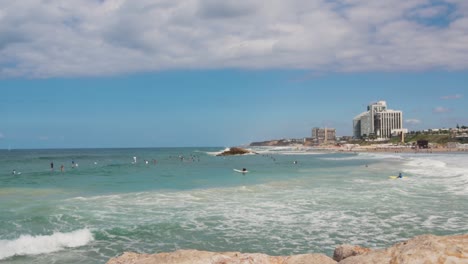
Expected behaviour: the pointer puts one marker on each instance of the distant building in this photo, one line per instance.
(422, 144)
(323, 135)
(378, 121)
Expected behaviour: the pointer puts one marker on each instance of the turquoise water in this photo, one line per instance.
(107, 204)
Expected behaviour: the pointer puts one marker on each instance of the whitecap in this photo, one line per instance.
(35, 245)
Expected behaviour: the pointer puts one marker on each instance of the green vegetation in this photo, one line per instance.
(441, 139)
(434, 139)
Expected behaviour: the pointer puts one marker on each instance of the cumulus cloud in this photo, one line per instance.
(440, 109)
(449, 97)
(430, 11)
(84, 38)
(413, 121)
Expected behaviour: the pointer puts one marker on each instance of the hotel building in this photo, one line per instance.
(378, 121)
(323, 135)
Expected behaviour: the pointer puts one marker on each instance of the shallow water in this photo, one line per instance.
(108, 205)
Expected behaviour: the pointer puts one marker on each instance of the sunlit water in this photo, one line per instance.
(107, 205)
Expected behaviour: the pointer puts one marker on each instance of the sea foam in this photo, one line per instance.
(35, 245)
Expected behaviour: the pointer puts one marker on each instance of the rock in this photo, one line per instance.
(204, 257)
(345, 251)
(309, 259)
(426, 249)
(419, 250)
(235, 151)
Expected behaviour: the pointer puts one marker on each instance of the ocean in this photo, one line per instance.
(191, 199)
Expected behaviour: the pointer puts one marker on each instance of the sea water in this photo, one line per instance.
(291, 201)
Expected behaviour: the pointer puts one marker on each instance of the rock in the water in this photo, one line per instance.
(234, 151)
(204, 257)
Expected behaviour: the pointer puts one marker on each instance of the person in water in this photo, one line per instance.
(400, 175)
(244, 170)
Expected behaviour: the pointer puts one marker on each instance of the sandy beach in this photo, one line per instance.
(393, 149)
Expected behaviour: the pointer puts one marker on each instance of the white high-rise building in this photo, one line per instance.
(378, 121)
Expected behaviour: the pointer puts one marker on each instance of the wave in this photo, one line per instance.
(450, 171)
(35, 245)
(214, 153)
(367, 156)
(287, 150)
(445, 166)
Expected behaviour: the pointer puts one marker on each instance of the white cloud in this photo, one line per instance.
(431, 11)
(440, 109)
(43, 138)
(84, 38)
(449, 97)
(1, 135)
(413, 121)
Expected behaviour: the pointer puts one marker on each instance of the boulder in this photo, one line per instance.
(419, 250)
(234, 151)
(346, 251)
(204, 257)
(426, 249)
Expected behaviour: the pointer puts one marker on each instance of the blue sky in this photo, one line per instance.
(119, 73)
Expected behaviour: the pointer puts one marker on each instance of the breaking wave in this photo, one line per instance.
(35, 245)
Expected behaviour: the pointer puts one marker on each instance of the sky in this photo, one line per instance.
(140, 73)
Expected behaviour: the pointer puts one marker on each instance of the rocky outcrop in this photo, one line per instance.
(235, 151)
(204, 257)
(419, 250)
(346, 251)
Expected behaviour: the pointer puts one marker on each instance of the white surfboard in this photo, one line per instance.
(241, 171)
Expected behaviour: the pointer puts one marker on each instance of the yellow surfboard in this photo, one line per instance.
(396, 177)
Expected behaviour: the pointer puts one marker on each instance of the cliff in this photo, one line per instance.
(421, 249)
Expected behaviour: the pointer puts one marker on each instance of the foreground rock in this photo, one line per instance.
(346, 251)
(422, 249)
(204, 257)
(235, 151)
(419, 250)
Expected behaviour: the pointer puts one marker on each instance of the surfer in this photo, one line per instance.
(52, 166)
(400, 175)
(14, 172)
(244, 170)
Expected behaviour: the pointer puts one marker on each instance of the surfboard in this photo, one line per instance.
(240, 171)
(396, 177)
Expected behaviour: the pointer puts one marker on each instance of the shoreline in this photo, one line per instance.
(373, 149)
(405, 150)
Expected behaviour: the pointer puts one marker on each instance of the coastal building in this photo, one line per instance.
(378, 122)
(323, 135)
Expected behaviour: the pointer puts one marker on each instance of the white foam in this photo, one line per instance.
(287, 150)
(217, 152)
(35, 245)
(450, 171)
(368, 156)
